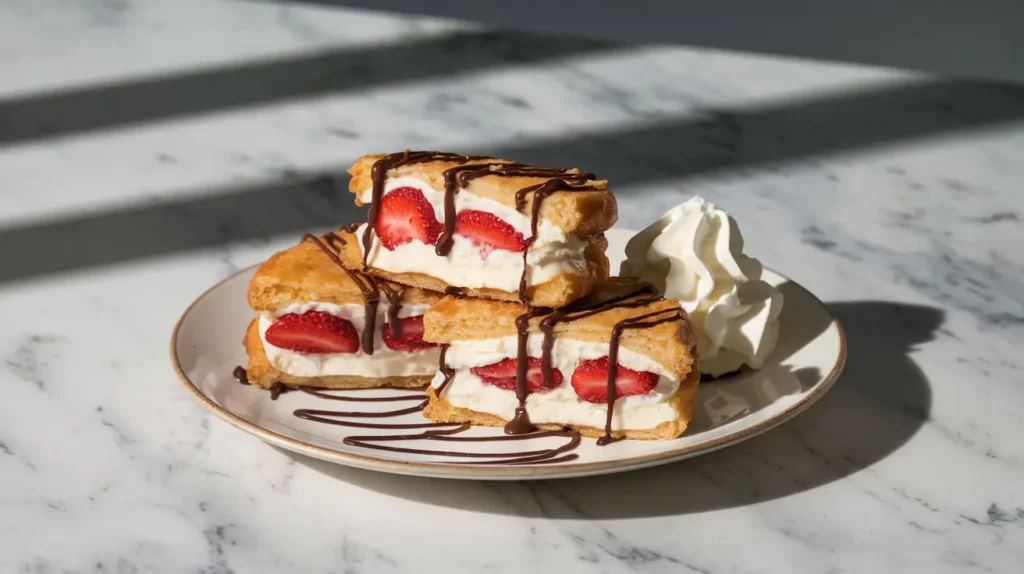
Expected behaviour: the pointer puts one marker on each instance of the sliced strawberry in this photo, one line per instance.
(406, 215)
(412, 336)
(313, 332)
(503, 375)
(488, 232)
(499, 370)
(590, 380)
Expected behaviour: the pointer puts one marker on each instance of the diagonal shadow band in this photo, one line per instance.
(730, 139)
(880, 402)
(164, 227)
(34, 117)
(725, 141)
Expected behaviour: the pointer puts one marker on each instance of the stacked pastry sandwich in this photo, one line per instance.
(495, 273)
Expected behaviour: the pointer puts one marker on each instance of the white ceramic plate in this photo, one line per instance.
(205, 348)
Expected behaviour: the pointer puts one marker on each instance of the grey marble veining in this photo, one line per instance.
(149, 149)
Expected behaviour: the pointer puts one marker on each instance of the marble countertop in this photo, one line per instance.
(149, 149)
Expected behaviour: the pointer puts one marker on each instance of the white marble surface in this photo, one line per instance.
(148, 149)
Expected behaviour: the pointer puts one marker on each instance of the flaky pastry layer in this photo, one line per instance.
(262, 374)
(304, 273)
(560, 290)
(577, 212)
(672, 344)
(683, 402)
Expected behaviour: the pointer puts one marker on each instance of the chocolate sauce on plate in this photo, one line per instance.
(278, 389)
(432, 431)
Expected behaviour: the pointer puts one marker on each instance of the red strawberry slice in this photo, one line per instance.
(503, 375)
(590, 380)
(412, 336)
(313, 332)
(488, 232)
(406, 215)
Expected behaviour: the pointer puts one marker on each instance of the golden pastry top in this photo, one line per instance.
(588, 208)
(672, 342)
(305, 273)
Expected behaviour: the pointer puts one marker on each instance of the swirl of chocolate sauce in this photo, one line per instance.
(441, 432)
(541, 456)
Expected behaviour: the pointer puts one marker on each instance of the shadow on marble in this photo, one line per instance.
(133, 100)
(734, 139)
(722, 140)
(166, 226)
(881, 401)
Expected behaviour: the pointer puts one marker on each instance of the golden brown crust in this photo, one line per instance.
(580, 213)
(558, 291)
(305, 273)
(672, 344)
(263, 375)
(683, 402)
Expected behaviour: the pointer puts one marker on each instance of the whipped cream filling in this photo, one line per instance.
(552, 253)
(560, 405)
(383, 363)
(694, 254)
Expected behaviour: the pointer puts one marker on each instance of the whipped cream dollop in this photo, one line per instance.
(694, 254)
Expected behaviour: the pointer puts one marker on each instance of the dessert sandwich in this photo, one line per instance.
(621, 363)
(482, 227)
(321, 325)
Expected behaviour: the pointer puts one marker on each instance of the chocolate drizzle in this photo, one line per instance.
(520, 423)
(642, 322)
(448, 372)
(454, 291)
(278, 389)
(542, 456)
(371, 289)
(567, 182)
(432, 431)
(643, 295)
(241, 375)
(335, 417)
(458, 178)
(639, 297)
(379, 176)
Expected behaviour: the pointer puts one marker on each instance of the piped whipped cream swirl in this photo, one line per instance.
(694, 254)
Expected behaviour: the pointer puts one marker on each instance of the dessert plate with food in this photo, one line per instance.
(488, 321)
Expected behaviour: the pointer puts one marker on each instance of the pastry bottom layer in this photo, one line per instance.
(262, 374)
(684, 401)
